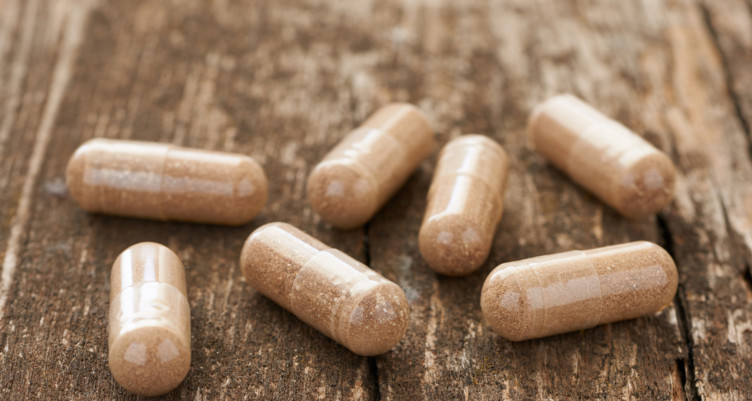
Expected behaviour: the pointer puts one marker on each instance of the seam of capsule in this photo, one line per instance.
(372, 175)
(493, 147)
(541, 319)
(624, 135)
(334, 323)
(497, 197)
(354, 294)
(560, 291)
(151, 313)
(597, 320)
(162, 169)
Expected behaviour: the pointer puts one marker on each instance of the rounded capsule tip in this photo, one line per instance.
(149, 360)
(378, 321)
(453, 246)
(647, 186)
(661, 257)
(342, 196)
(505, 306)
(74, 175)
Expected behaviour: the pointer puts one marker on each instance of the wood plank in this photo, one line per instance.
(712, 223)
(196, 75)
(520, 53)
(652, 67)
(283, 81)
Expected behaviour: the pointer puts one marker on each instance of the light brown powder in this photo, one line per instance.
(619, 167)
(465, 204)
(576, 290)
(149, 320)
(325, 288)
(165, 182)
(369, 165)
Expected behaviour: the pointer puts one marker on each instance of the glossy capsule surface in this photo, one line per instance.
(618, 166)
(326, 288)
(165, 182)
(369, 165)
(149, 320)
(577, 290)
(465, 204)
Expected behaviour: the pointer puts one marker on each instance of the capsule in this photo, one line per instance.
(369, 165)
(577, 290)
(609, 160)
(149, 320)
(465, 204)
(165, 182)
(327, 289)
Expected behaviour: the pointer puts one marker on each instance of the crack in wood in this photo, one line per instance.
(374, 369)
(687, 370)
(747, 277)
(367, 245)
(681, 369)
(685, 322)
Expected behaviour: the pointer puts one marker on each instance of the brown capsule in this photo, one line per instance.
(149, 320)
(577, 290)
(609, 160)
(165, 182)
(325, 288)
(465, 204)
(369, 165)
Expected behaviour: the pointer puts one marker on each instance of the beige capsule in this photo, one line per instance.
(149, 320)
(609, 160)
(577, 290)
(165, 182)
(325, 288)
(465, 204)
(369, 165)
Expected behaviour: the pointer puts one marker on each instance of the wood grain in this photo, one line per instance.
(283, 81)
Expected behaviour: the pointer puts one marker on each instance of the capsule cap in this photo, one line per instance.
(377, 321)
(508, 308)
(343, 194)
(453, 245)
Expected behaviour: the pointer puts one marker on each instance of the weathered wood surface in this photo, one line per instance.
(283, 81)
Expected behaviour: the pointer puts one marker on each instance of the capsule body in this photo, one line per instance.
(577, 290)
(612, 162)
(149, 320)
(326, 288)
(368, 166)
(465, 204)
(165, 182)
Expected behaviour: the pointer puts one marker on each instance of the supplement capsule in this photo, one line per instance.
(465, 204)
(325, 288)
(165, 182)
(612, 162)
(149, 320)
(368, 166)
(577, 290)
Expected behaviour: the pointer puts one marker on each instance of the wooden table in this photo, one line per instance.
(283, 81)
